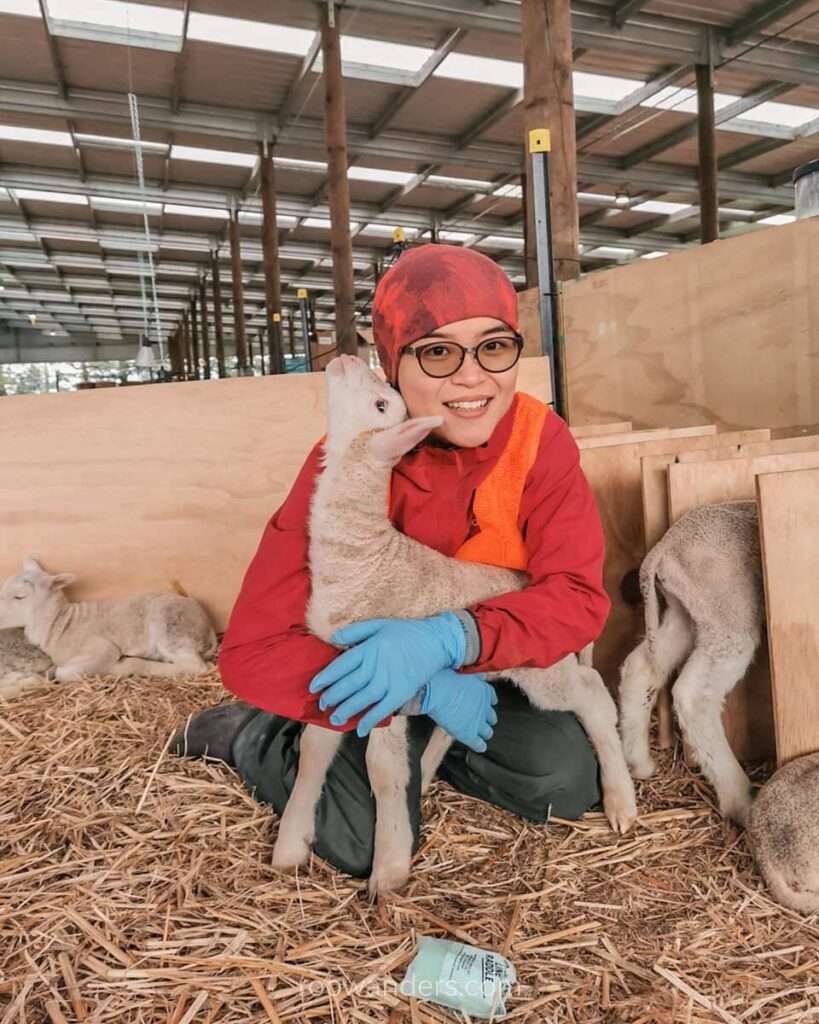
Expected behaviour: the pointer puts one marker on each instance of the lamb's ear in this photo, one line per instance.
(392, 443)
(30, 564)
(62, 580)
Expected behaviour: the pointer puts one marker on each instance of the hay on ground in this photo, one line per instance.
(136, 887)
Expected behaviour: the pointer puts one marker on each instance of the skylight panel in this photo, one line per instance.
(655, 255)
(398, 56)
(116, 142)
(223, 157)
(467, 183)
(612, 252)
(604, 87)
(778, 218)
(456, 236)
(26, 8)
(14, 133)
(197, 211)
(254, 35)
(509, 191)
(379, 174)
(50, 197)
(118, 15)
(501, 242)
(658, 206)
(487, 70)
(785, 115)
(125, 205)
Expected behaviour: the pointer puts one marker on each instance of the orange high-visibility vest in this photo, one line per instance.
(496, 505)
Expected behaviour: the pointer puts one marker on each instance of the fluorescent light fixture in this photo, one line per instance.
(378, 174)
(604, 87)
(486, 70)
(115, 142)
(26, 8)
(133, 17)
(500, 242)
(51, 197)
(398, 56)
(292, 164)
(466, 183)
(615, 252)
(653, 255)
(386, 230)
(224, 157)
(253, 35)
(125, 205)
(14, 133)
(599, 198)
(456, 236)
(214, 212)
(659, 206)
(778, 218)
(785, 115)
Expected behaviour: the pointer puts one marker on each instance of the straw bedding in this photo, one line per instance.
(136, 886)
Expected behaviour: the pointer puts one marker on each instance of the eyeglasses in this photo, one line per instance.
(443, 358)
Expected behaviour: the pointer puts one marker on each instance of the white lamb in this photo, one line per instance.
(362, 567)
(709, 570)
(23, 666)
(112, 637)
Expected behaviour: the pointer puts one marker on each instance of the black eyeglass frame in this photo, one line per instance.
(418, 351)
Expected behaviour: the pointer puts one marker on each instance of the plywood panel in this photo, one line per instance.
(789, 525)
(642, 436)
(602, 429)
(131, 488)
(726, 333)
(612, 467)
(754, 449)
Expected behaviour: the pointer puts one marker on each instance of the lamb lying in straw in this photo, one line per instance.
(114, 637)
(362, 568)
(23, 666)
(709, 569)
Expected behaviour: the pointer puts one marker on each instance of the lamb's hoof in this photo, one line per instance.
(620, 807)
(289, 853)
(642, 767)
(382, 883)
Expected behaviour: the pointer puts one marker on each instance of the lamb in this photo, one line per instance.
(709, 569)
(362, 567)
(112, 637)
(783, 834)
(23, 666)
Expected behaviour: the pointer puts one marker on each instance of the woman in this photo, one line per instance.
(498, 482)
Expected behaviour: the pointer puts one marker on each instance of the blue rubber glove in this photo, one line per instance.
(390, 662)
(463, 705)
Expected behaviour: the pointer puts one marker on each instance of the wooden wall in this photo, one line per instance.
(726, 333)
(131, 488)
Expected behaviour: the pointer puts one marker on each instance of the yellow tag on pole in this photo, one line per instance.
(398, 235)
(301, 293)
(277, 318)
(540, 140)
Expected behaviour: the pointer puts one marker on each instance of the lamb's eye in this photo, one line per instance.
(381, 404)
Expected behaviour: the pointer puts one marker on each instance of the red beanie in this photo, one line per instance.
(435, 285)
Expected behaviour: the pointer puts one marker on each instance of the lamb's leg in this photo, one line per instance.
(388, 768)
(297, 827)
(439, 743)
(572, 687)
(699, 694)
(97, 657)
(644, 673)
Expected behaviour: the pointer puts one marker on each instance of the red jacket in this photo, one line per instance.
(268, 656)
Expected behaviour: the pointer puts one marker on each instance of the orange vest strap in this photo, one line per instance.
(496, 505)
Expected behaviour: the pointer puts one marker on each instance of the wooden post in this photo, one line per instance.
(186, 340)
(270, 248)
(195, 339)
(238, 292)
(335, 131)
(203, 307)
(546, 34)
(217, 313)
(708, 169)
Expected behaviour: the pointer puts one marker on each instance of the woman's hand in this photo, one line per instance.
(463, 705)
(390, 662)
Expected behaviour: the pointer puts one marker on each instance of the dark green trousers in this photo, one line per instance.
(536, 764)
